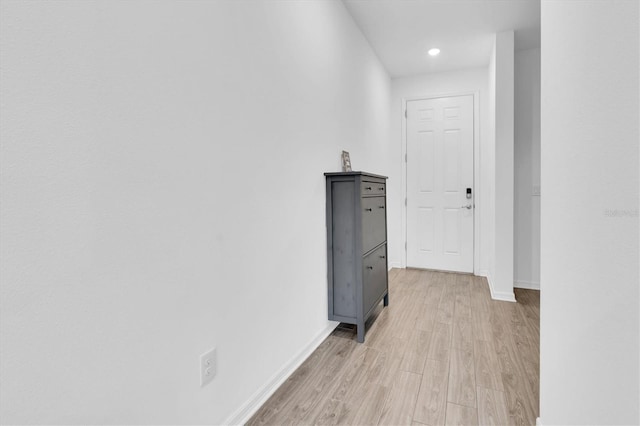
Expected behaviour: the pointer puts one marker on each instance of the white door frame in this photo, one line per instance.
(476, 170)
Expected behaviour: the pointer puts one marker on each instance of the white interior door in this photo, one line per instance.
(439, 177)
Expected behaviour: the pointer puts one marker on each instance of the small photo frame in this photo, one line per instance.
(346, 162)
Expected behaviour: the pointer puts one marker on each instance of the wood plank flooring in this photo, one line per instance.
(442, 352)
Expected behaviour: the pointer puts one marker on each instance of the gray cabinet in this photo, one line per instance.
(356, 246)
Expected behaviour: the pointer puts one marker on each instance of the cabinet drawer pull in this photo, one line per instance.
(368, 210)
(382, 257)
(369, 267)
(368, 188)
(381, 207)
(381, 188)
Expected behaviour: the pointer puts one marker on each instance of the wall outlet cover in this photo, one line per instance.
(208, 367)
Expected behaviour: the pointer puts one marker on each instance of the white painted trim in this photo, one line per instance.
(476, 169)
(505, 296)
(528, 285)
(476, 181)
(251, 406)
(395, 265)
(538, 421)
(403, 174)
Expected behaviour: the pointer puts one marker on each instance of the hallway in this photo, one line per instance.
(443, 352)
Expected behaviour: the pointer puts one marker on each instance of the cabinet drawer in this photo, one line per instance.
(372, 188)
(374, 230)
(374, 276)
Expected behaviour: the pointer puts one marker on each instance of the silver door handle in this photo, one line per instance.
(468, 207)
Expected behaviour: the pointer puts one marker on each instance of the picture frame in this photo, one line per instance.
(346, 162)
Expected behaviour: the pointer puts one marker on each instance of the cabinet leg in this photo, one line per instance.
(360, 330)
(385, 301)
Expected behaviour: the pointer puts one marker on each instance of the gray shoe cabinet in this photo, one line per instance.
(356, 246)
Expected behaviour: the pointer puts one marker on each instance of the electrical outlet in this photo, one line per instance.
(208, 367)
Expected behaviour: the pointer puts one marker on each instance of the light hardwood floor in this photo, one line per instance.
(442, 352)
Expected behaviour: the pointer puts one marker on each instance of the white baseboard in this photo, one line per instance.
(538, 421)
(251, 406)
(528, 285)
(500, 295)
(395, 265)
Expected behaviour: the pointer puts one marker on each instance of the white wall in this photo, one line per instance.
(463, 81)
(162, 193)
(501, 275)
(589, 330)
(527, 169)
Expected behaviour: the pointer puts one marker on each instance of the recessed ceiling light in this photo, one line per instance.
(434, 51)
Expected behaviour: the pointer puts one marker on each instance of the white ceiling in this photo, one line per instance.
(401, 31)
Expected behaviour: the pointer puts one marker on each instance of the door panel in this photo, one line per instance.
(426, 229)
(450, 237)
(426, 153)
(439, 169)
